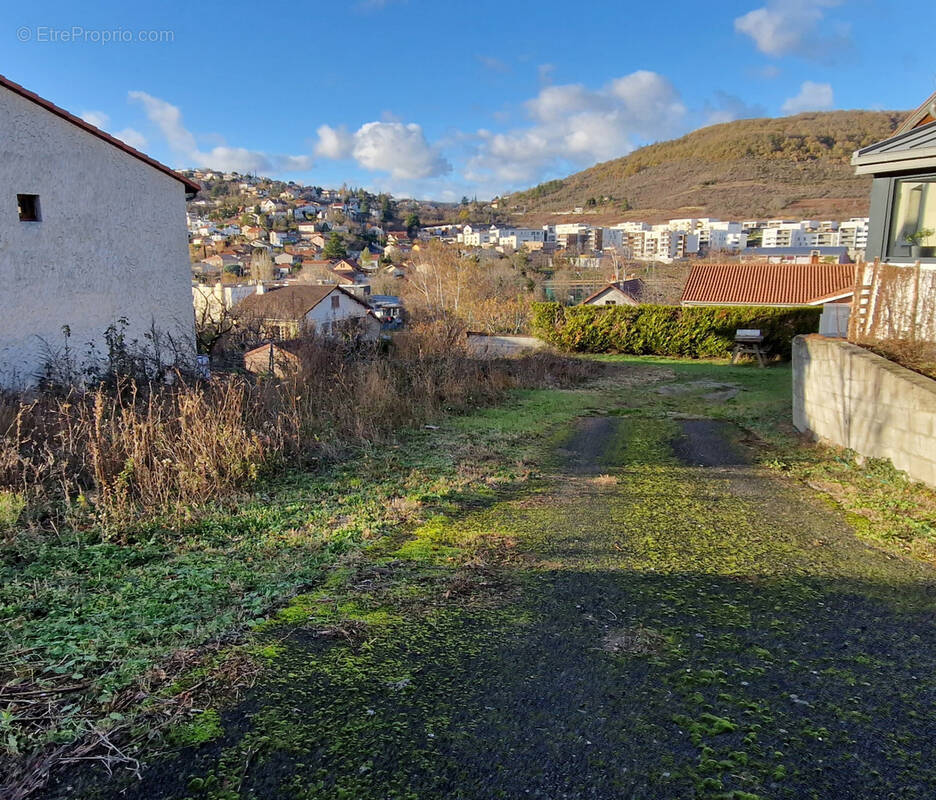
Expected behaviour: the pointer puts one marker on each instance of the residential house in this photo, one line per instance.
(897, 298)
(282, 238)
(398, 238)
(388, 309)
(92, 231)
(299, 309)
(223, 260)
(775, 285)
(902, 226)
(321, 271)
(622, 293)
(470, 236)
(287, 260)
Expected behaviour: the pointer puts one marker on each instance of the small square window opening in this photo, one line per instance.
(335, 301)
(28, 207)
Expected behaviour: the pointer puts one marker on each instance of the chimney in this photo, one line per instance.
(259, 287)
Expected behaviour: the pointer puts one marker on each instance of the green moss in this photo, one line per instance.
(200, 729)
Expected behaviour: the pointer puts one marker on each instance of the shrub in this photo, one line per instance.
(125, 448)
(694, 332)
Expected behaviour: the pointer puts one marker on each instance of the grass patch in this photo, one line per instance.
(416, 578)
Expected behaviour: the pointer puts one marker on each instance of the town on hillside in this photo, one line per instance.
(247, 232)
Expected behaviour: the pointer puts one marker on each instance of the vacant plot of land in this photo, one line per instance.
(650, 609)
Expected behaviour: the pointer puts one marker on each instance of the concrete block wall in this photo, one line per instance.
(848, 396)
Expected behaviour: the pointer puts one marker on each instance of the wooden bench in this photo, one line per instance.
(749, 342)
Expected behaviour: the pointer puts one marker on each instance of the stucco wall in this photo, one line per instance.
(846, 395)
(112, 241)
(323, 313)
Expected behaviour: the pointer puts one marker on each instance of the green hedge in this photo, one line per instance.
(693, 332)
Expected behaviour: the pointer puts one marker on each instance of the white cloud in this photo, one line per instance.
(132, 137)
(129, 135)
(573, 123)
(389, 146)
(96, 118)
(168, 118)
(401, 150)
(782, 27)
(333, 142)
(812, 97)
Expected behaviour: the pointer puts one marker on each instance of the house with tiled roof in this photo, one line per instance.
(775, 285)
(92, 232)
(303, 309)
(622, 293)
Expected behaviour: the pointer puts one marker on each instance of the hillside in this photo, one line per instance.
(755, 168)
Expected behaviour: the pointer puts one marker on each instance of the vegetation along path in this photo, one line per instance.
(651, 608)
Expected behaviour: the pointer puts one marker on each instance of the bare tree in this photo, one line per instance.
(213, 320)
(261, 265)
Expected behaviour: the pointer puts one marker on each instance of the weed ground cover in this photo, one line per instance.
(547, 598)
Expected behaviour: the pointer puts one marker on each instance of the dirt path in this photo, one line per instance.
(657, 618)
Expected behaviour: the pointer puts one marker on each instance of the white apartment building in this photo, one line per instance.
(785, 234)
(725, 236)
(612, 238)
(714, 234)
(573, 234)
(661, 244)
(853, 234)
(472, 236)
(516, 237)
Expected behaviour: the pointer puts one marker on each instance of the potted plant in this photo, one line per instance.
(914, 241)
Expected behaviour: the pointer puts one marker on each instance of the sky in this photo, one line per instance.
(442, 99)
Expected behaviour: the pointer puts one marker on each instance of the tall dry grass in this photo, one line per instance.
(124, 448)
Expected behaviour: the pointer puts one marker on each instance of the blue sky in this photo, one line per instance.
(434, 98)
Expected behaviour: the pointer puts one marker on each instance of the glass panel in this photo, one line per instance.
(913, 222)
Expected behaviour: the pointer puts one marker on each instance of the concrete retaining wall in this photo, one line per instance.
(853, 398)
(480, 344)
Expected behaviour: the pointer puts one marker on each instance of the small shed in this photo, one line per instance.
(274, 358)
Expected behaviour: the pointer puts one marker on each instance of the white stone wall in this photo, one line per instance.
(846, 395)
(112, 242)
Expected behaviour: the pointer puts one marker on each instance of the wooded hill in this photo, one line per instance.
(754, 168)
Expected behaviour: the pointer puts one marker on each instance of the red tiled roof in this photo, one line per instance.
(767, 284)
(290, 302)
(6, 83)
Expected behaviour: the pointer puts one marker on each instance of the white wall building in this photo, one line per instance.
(853, 234)
(785, 234)
(660, 244)
(725, 236)
(91, 231)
